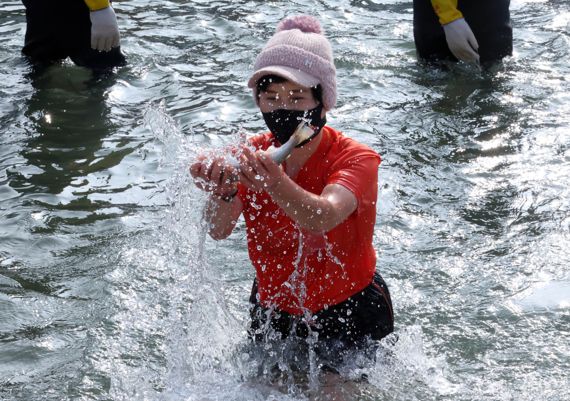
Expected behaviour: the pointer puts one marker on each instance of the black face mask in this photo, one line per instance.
(282, 123)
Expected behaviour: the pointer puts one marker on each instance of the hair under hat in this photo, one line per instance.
(299, 52)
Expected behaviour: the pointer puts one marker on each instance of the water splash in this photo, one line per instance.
(171, 328)
(173, 336)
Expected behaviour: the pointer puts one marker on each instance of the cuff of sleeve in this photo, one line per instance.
(450, 15)
(95, 5)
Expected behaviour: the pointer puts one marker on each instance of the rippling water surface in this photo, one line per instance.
(109, 289)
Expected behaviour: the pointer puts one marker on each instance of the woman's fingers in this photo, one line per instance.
(274, 171)
(259, 171)
(246, 165)
(213, 175)
(268, 164)
(245, 180)
(256, 170)
(246, 173)
(259, 167)
(255, 163)
(195, 169)
(216, 173)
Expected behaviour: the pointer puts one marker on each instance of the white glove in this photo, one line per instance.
(104, 29)
(461, 41)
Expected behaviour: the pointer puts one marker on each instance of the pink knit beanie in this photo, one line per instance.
(299, 52)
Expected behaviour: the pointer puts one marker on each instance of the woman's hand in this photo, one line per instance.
(218, 177)
(313, 212)
(258, 171)
(215, 175)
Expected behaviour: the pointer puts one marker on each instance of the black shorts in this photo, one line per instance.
(489, 20)
(59, 29)
(364, 316)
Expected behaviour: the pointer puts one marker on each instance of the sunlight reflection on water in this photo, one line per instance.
(109, 288)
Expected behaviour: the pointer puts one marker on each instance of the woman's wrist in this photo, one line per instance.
(227, 197)
(276, 187)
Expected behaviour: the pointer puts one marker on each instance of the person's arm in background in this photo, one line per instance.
(458, 34)
(104, 28)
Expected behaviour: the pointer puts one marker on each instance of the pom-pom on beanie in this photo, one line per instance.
(299, 52)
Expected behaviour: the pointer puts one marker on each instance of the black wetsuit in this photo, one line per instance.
(488, 19)
(57, 29)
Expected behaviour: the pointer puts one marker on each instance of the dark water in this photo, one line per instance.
(110, 291)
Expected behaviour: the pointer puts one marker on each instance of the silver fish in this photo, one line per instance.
(280, 154)
(302, 133)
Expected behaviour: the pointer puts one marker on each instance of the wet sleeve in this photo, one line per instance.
(95, 5)
(357, 172)
(446, 10)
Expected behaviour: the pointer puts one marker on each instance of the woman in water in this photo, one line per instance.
(310, 221)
